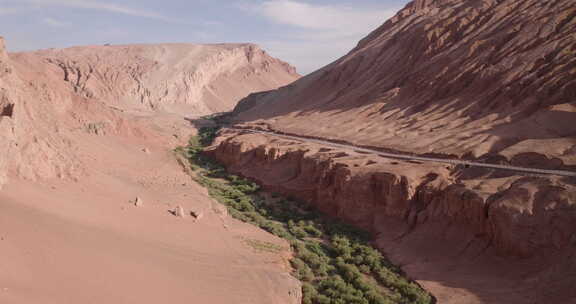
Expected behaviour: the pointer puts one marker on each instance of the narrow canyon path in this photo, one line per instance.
(414, 157)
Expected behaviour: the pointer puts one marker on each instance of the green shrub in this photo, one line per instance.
(333, 259)
(309, 293)
(312, 231)
(318, 248)
(303, 272)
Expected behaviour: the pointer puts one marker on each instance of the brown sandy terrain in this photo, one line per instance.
(86, 242)
(72, 165)
(490, 81)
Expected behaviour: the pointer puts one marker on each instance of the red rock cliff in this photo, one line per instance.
(492, 80)
(500, 227)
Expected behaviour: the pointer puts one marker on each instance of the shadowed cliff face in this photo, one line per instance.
(453, 77)
(518, 216)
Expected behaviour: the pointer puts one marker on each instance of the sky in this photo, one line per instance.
(307, 34)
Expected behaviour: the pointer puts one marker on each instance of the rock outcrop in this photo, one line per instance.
(522, 216)
(5, 67)
(31, 106)
(7, 112)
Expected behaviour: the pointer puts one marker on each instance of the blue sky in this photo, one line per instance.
(308, 34)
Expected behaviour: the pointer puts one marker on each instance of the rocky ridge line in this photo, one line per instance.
(169, 77)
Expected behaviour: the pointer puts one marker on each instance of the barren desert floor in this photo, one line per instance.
(87, 242)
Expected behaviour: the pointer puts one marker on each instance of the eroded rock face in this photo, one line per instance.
(5, 67)
(33, 108)
(7, 111)
(29, 143)
(529, 222)
(527, 217)
(52, 100)
(184, 78)
(452, 77)
(532, 215)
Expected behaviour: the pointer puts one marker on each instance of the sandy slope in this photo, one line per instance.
(84, 242)
(74, 157)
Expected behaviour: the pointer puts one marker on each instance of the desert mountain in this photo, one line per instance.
(492, 81)
(88, 175)
(47, 94)
(452, 77)
(182, 78)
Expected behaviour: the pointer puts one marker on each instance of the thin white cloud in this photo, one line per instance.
(320, 33)
(344, 18)
(305, 55)
(54, 22)
(98, 5)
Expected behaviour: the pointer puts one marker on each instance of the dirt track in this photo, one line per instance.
(417, 158)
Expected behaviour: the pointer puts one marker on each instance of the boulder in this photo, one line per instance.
(138, 202)
(179, 211)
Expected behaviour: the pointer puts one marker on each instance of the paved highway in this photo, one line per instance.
(415, 157)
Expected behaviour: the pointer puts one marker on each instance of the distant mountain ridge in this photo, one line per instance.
(49, 98)
(199, 79)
